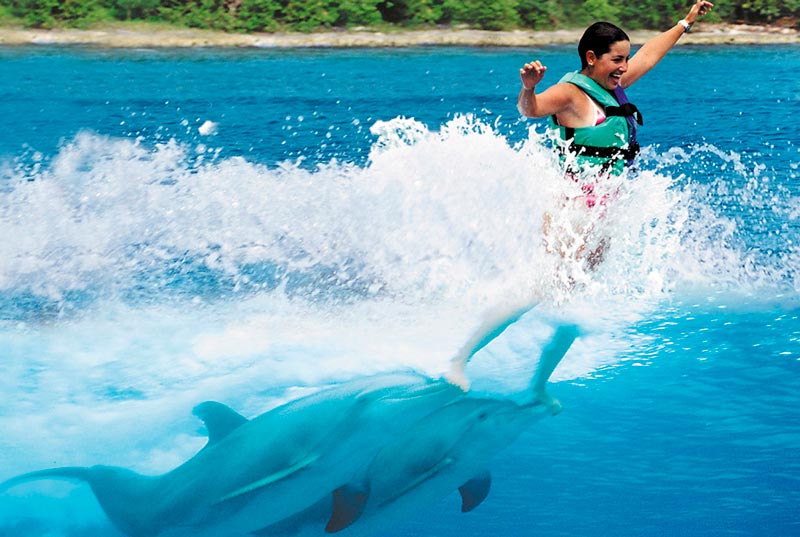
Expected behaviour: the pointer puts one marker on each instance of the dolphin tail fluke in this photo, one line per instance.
(121, 493)
(551, 356)
(348, 505)
(474, 491)
(80, 473)
(494, 323)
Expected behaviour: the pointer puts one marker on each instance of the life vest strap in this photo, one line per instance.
(625, 110)
(611, 153)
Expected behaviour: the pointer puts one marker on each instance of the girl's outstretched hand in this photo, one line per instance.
(698, 10)
(532, 73)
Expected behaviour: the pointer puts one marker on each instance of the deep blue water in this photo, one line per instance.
(347, 212)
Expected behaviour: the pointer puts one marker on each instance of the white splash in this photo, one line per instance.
(208, 128)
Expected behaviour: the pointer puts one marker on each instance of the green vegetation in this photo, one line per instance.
(311, 15)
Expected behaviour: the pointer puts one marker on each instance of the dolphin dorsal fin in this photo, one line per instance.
(474, 491)
(220, 420)
(348, 504)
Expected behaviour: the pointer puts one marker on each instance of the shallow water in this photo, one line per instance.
(246, 225)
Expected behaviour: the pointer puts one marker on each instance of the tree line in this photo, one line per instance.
(311, 15)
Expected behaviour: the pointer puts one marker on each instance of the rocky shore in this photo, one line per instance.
(131, 38)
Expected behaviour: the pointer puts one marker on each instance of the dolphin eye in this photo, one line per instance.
(482, 416)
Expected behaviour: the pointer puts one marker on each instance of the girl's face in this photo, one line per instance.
(607, 69)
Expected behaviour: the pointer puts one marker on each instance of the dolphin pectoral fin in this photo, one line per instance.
(220, 420)
(348, 505)
(270, 479)
(80, 473)
(474, 491)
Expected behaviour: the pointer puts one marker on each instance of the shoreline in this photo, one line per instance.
(719, 34)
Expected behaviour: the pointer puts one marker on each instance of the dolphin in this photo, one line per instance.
(254, 473)
(447, 450)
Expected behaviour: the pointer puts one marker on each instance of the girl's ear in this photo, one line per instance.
(591, 57)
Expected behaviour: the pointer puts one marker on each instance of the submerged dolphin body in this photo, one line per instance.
(445, 451)
(253, 473)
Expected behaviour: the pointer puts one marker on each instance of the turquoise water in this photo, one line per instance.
(243, 226)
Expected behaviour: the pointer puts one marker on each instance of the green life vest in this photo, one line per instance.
(606, 146)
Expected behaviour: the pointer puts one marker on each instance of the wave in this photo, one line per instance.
(453, 214)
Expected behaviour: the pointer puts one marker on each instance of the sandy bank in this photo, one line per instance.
(122, 38)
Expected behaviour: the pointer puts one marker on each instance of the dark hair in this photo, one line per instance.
(598, 38)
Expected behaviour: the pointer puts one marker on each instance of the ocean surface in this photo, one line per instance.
(250, 225)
